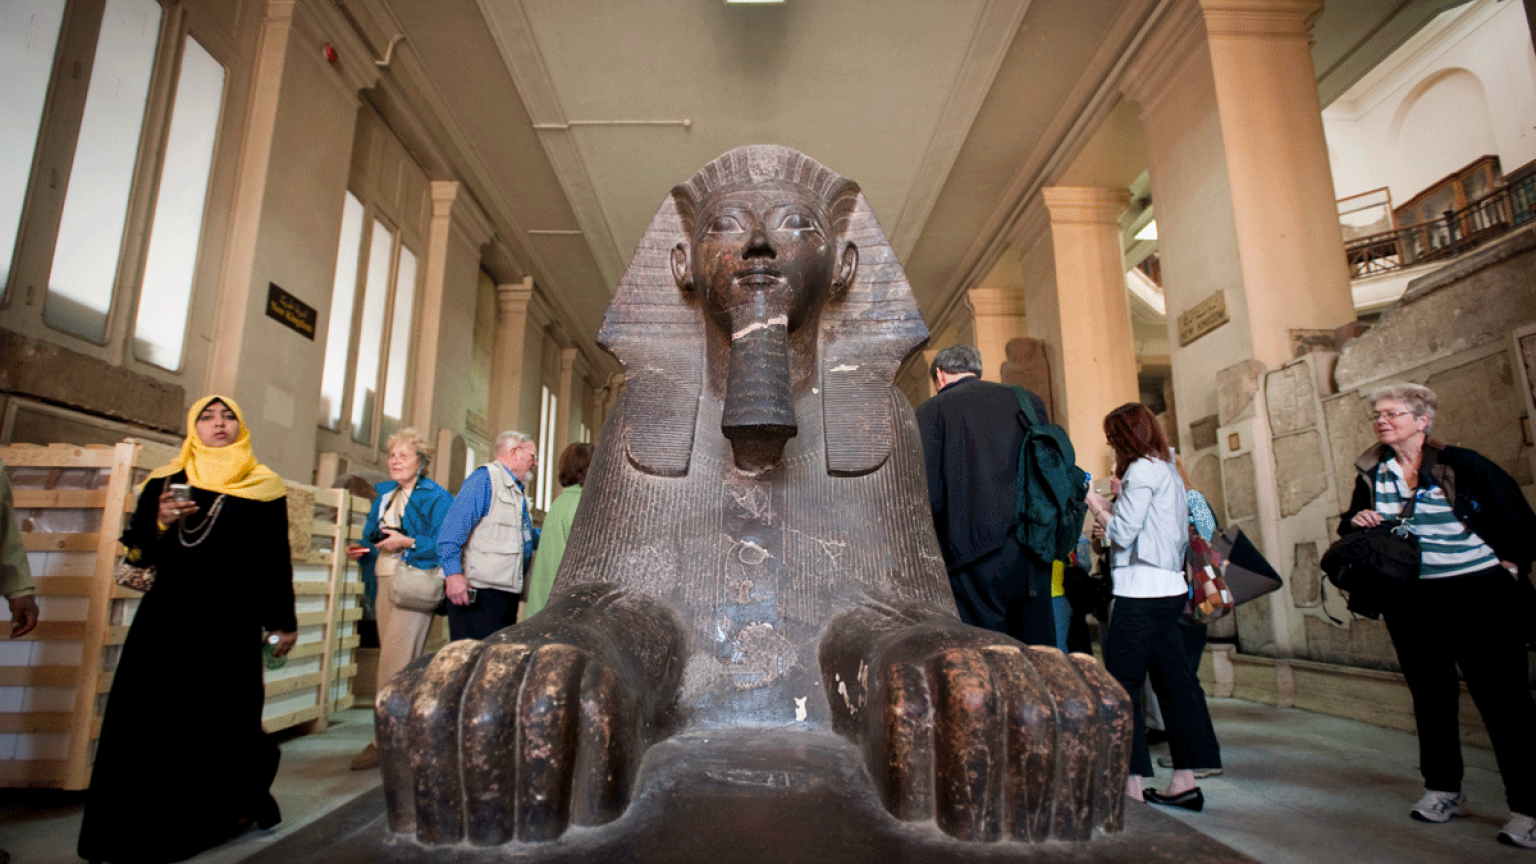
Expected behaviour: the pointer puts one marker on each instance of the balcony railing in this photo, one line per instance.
(1456, 232)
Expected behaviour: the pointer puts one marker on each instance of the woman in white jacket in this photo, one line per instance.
(1147, 527)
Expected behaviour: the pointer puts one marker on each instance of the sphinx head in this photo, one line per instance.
(763, 274)
(764, 254)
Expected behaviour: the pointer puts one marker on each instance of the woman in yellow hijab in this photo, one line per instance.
(182, 763)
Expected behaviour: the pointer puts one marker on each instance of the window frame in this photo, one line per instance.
(340, 438)
(25, 293)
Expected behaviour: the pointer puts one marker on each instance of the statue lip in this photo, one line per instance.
(758, 276)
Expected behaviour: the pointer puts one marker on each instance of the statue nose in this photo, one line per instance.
(759, 246)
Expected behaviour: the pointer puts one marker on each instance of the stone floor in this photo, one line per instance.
(1299, 787)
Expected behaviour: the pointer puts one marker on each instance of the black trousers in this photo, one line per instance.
(1469, 622)
(491, 611)
(1145, 638)
(1006, 592)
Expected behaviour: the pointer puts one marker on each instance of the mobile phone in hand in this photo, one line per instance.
(473, 593)
(181, 492)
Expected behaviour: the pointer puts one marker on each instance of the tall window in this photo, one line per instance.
(102, 202)
(544, 481)
(29, 33)
(81, 279)
(338, 334)
(373, 302)
(161, 326)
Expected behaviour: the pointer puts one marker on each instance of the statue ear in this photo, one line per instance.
(682, 266)
(847, 269)
(657, 332)
(866, 335)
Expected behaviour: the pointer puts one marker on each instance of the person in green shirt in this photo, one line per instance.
(574, 461)
(15, 575)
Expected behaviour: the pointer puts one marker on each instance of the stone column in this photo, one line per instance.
(454, 238)
(1294, 273)
(567, 397)
(507, 365)
(998, 316)
(1248, 233)
(1097, 351)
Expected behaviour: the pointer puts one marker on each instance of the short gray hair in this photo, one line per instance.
(414, 439)
(956, 360)
(1420, 399)
(511, 439)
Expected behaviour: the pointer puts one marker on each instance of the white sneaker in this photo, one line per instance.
(1520, 831)
(1438, 806)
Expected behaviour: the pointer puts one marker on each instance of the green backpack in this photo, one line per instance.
(1052, 490)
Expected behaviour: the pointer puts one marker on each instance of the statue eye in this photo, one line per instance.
(725, 225)
(797, 222)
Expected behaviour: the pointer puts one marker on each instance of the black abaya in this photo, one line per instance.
(182, 763)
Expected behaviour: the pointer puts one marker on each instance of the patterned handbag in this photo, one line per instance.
(132, 576)
(1209, 597)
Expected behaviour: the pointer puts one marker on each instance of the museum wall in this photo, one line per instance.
(1386, 131)
(1454, 333)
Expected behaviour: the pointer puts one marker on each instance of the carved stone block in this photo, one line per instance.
(1236, 386)
(1300, 471)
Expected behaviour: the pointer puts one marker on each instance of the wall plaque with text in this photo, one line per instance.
(291, 311)
(1203, 317)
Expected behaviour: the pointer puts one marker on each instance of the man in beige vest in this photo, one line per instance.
(488, 539)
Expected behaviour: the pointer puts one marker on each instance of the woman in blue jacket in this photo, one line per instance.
(401, 529)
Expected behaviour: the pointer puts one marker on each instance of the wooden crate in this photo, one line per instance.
(73, 503)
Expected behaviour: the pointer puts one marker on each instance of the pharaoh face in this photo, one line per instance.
(763, 250)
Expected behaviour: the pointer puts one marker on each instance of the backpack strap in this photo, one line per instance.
(1025, 404)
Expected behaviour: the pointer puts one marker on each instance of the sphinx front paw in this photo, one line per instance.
(506, 740)
(989, 738)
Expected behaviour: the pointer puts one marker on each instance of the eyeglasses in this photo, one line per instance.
(1388, 415)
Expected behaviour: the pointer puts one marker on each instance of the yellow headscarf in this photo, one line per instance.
(230, 470)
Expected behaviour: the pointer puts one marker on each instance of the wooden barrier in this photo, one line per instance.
(73, 503)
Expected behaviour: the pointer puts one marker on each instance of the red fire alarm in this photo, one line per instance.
(330, 53)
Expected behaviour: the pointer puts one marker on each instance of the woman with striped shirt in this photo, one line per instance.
(1477, 535)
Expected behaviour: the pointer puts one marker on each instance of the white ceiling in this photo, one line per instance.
(567, 116)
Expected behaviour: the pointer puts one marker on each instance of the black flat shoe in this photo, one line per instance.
(1192, 799)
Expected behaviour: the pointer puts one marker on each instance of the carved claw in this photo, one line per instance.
(989, 738)
(519, 737)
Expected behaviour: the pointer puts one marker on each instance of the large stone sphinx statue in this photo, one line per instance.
(753, 570)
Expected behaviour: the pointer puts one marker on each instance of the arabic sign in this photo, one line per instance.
(1202, 318)
(291, 311)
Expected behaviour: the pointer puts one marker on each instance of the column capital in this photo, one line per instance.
(996, 301)
(514, 297)
(1085, 205)
(1260, 19)
(469, 222)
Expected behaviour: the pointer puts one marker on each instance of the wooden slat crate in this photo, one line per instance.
(73, 502)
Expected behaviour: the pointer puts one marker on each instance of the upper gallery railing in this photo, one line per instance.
(1454, 233)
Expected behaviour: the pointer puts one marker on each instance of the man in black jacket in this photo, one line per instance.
(971, 431)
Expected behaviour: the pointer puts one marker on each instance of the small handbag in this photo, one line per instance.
(1209, 597)
(135, 577)
(416, 589)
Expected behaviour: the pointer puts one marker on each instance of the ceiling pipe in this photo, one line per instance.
(560, 127)
(389, 53)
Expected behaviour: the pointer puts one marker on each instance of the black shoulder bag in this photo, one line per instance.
(1371, 564)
